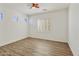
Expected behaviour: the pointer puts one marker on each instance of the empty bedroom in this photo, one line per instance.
(39, 29)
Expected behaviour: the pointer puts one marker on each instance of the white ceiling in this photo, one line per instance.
(25, 8)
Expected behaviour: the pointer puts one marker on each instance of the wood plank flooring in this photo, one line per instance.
(35, 47)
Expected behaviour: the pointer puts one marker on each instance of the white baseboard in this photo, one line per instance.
(11, 41)
(48, 38)
(14, 40)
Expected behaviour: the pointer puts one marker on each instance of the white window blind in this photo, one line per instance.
(43, 25)
(40, 24)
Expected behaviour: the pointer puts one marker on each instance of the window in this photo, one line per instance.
(43, 25)
(1, 16)
(40, 25)
(15, 18)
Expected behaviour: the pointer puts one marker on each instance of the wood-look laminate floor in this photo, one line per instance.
(35, 47)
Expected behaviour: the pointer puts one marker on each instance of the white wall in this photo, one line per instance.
(10, 30)
(59, 26)
(74, 28)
